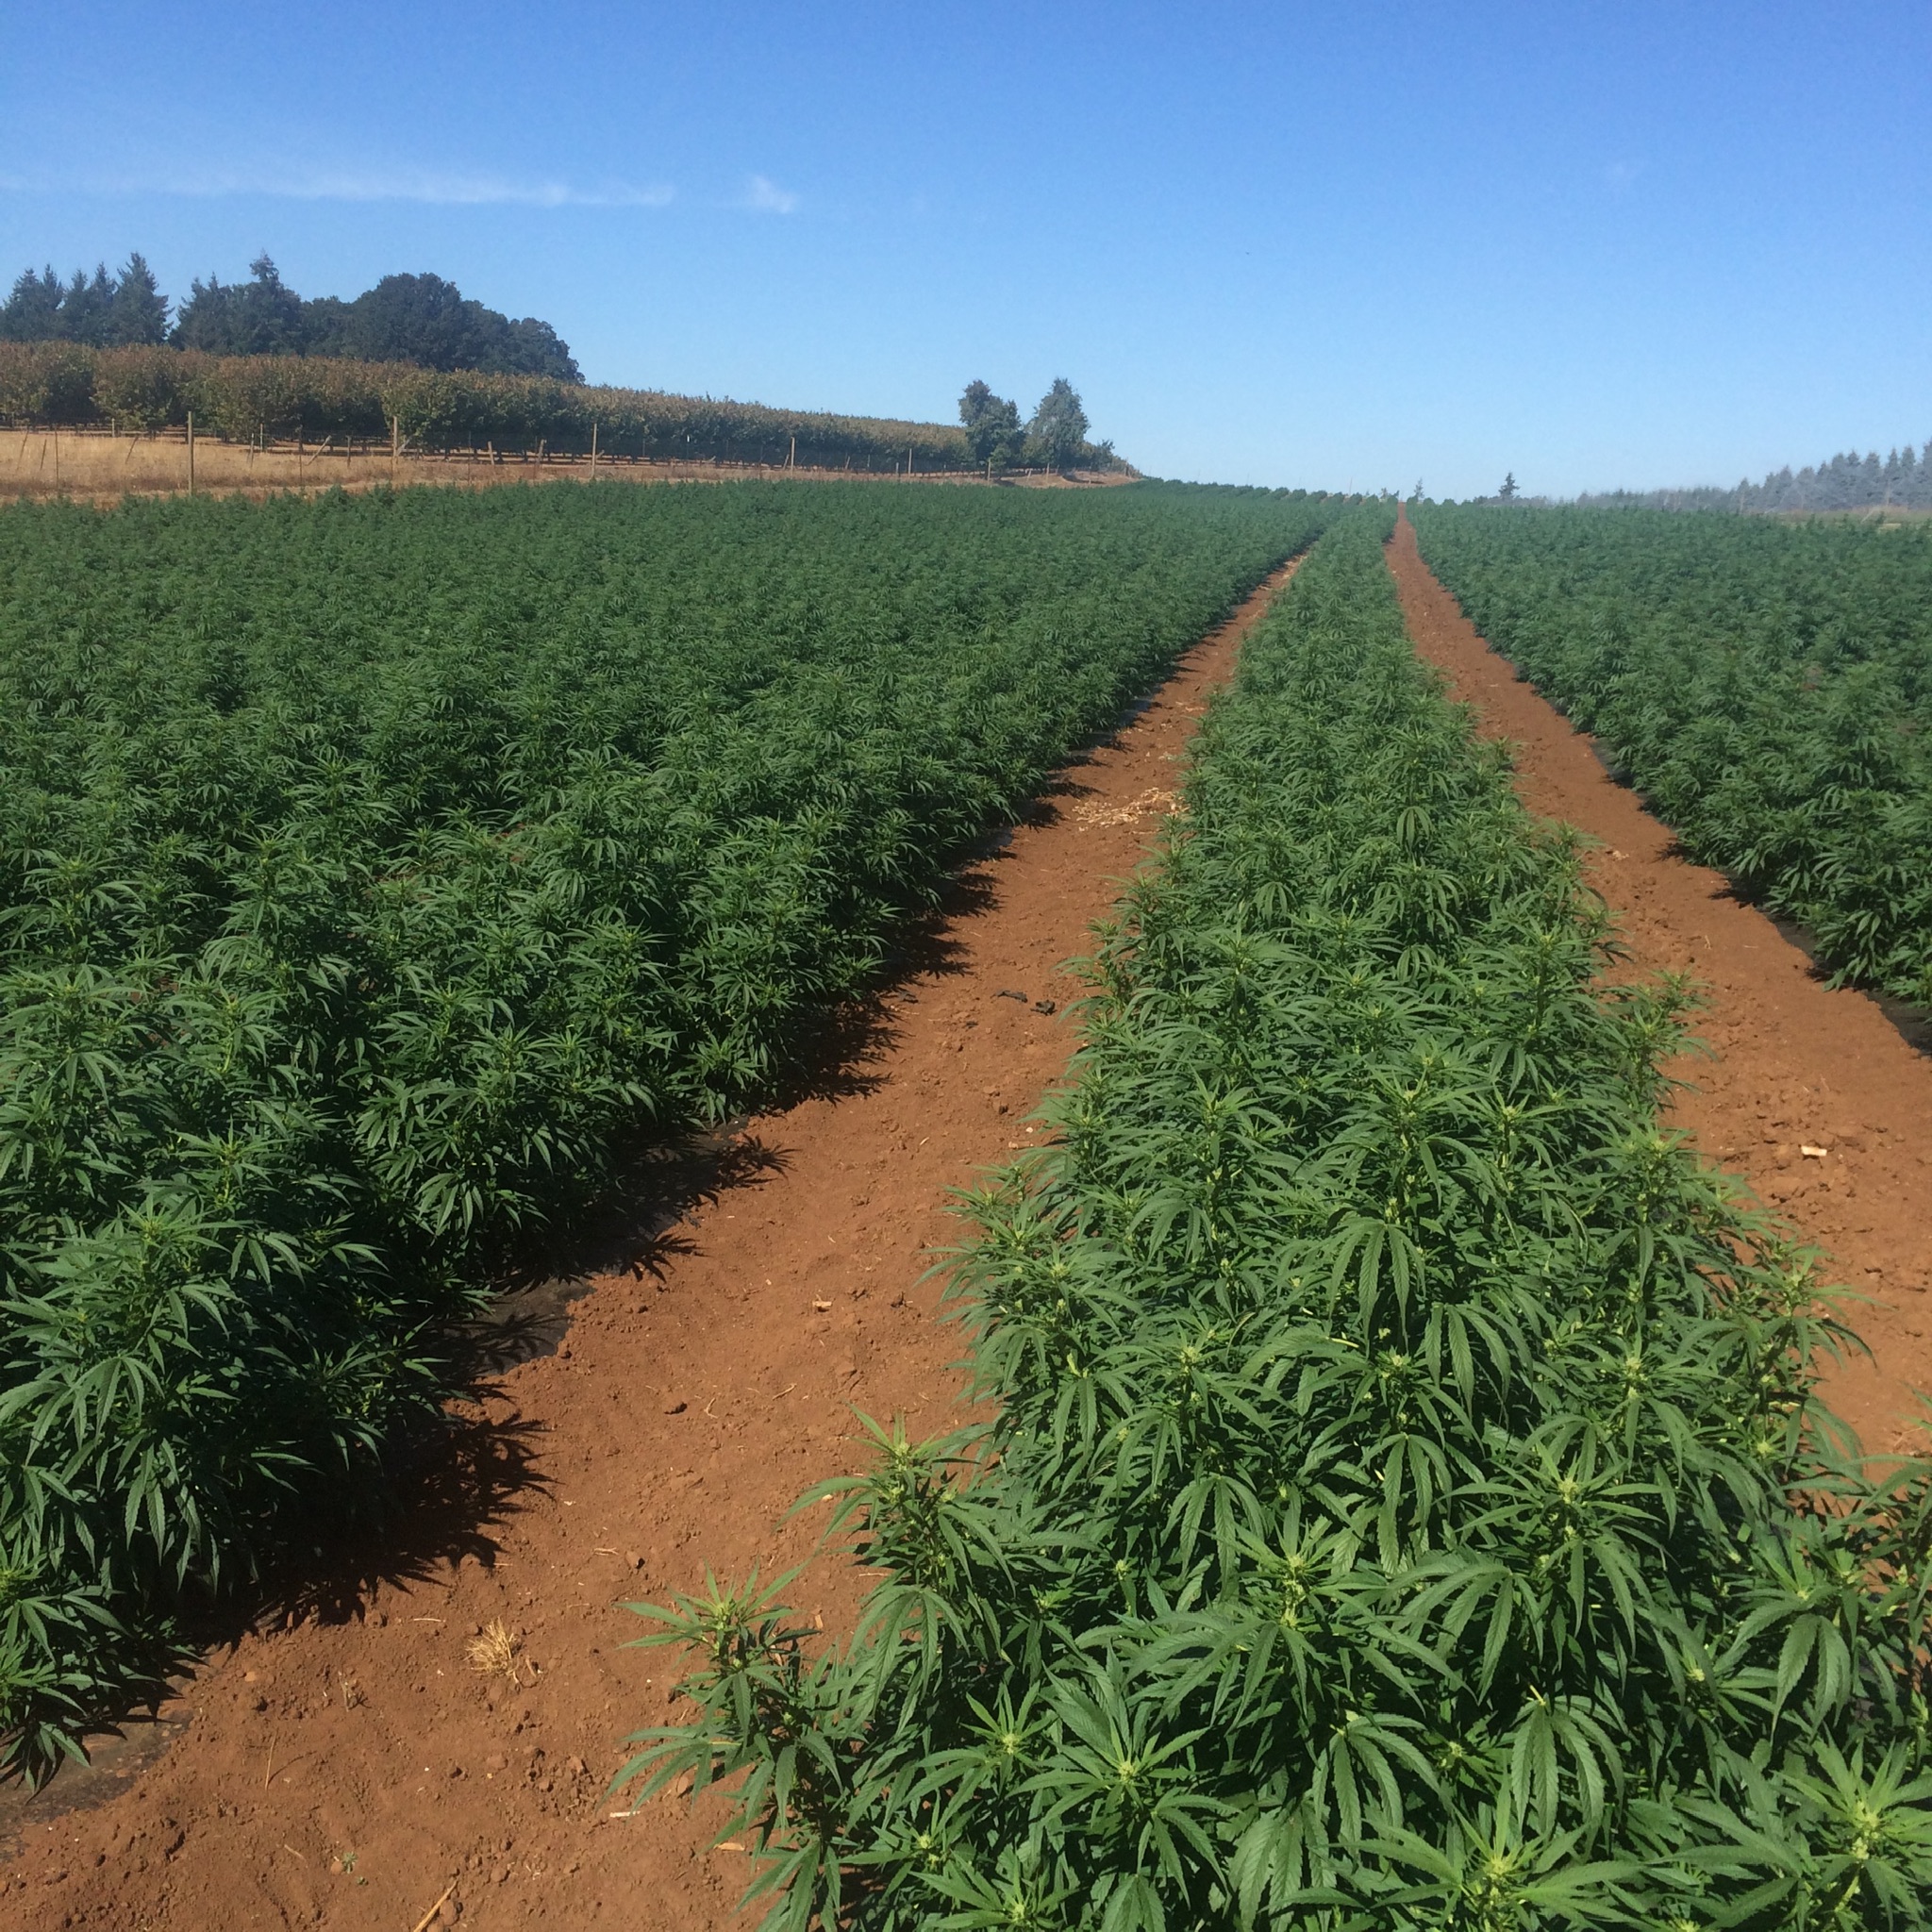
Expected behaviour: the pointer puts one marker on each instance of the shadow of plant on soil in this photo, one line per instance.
(450, 1483)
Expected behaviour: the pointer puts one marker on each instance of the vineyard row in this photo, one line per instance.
(244, 398)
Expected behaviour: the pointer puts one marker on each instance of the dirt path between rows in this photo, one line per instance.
(1795, 1065)
(346, 1769)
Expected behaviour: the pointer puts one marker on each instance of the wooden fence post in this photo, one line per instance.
(594, 452)
(191, 452)
(396, 447)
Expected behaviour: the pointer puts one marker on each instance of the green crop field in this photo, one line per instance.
(372, 869)
(1768, 686)
(1409, 1505)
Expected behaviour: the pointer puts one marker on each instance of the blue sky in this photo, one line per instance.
(1597, 244)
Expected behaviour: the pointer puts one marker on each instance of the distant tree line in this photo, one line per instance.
(1902, 480)
(418, 319)
(1053, 438)
(104, 311)
(414, 356)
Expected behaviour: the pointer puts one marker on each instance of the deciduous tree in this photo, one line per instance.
(424, 319)
(993, 427)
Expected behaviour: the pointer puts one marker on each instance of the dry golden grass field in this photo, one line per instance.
(101, 467)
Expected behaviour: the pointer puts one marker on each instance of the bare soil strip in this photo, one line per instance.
(344, 1769)
(1811, 1094)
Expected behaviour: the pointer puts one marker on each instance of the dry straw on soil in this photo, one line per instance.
(100, 467)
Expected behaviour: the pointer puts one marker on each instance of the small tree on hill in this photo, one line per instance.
(1508, 493)
(1058, 428)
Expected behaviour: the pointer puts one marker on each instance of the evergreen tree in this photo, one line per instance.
(32, 311)
(405, 318)
(88, 307)
(259, 317)
(139, 310)
(1058, 428)
(100, 310)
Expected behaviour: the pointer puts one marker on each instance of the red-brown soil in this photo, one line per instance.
(1793, 1064)
(346, 1769)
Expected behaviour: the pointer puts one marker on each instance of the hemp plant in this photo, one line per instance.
(1409, 1505)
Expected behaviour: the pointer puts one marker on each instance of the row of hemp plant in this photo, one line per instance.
(1767, 685)
(1409, 1505)
(374, 871)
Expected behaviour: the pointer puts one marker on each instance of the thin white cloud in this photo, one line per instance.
(470, 191)
(763, 196)
(353, 185)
